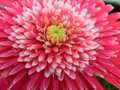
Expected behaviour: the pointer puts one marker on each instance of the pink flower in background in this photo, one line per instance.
(58, 44)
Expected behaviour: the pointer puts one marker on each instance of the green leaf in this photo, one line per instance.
(105, 84)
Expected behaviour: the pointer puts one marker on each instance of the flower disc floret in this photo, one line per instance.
(55, 34)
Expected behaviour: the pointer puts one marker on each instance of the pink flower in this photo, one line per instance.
(58, 44)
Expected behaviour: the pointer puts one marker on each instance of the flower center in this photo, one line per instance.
(55, 34)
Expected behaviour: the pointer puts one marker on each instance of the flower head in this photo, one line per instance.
(58, 44)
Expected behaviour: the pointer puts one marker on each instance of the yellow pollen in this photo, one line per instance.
(55, 34)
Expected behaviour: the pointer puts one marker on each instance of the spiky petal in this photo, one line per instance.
(58, 44)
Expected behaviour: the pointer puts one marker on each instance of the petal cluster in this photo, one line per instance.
(34, 57)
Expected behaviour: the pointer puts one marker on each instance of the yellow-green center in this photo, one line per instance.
(55, 34)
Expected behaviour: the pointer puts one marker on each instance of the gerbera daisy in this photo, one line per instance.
(58, 44)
